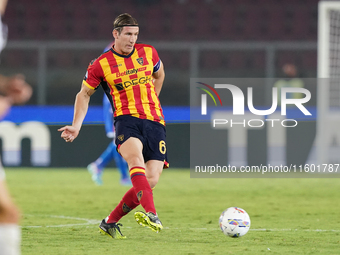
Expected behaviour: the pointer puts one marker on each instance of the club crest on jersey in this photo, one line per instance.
(140, 61)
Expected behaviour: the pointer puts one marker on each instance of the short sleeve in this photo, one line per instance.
(155, 60)
(94, 75)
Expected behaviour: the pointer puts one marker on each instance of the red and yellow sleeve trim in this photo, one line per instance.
(87, 85)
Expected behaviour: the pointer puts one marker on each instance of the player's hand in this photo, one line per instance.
(17, 90)
(69, 133)
(5, 104)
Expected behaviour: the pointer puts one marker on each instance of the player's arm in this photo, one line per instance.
(159, 78)
(3, 83)
(80, 109)
(81, 105)
(5, 105)
(3, 4)
(15, 88)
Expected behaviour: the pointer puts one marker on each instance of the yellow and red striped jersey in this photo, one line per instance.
(127, 80)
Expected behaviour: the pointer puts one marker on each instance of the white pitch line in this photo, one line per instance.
(87, 221)
(95, 222)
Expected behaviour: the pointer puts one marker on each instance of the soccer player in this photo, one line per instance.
(96, 168)
(132, 76)
(13, 90)
(290, 80)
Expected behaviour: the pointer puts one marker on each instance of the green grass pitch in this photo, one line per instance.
(61, 210)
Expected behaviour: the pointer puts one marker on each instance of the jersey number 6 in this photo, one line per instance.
(162, 147)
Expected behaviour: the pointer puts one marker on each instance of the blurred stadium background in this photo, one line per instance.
(51, 42)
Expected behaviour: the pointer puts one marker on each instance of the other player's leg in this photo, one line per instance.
(10, 233)
(96, 168)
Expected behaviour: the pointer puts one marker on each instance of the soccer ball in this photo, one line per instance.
(234, 222)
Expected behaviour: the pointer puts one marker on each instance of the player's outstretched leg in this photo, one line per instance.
(111, 229)
(96, 173)
(96, 168)
(149, 220)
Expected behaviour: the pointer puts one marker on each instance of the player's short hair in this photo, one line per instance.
(124, 20)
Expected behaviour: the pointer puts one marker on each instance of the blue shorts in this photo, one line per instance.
(152, 135)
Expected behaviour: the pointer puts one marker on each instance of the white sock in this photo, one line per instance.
(10, 239)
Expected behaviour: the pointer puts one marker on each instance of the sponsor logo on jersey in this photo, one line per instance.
(126, 84)
(119, 86)
(130, 71)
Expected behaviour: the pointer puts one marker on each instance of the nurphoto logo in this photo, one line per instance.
(239, 105)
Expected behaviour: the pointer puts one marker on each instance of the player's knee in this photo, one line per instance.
(134, 161)
(153, 180)
(15, 215)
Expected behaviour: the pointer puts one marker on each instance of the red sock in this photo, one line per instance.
(128, 203)
(142, 188)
